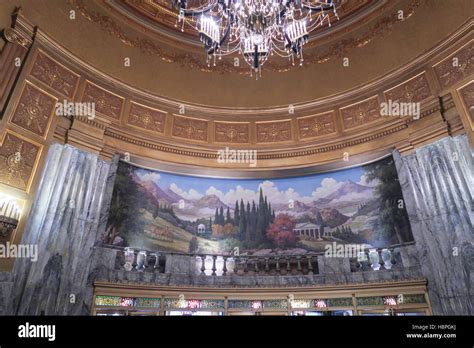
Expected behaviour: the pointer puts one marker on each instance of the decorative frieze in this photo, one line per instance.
(314, 126)
(226, 132)
(272, 132)
(414, 90)
(106, 103)
(361, 113)
(34, 110)
(457, 66)
(467, 96)
(147, 118)
(54, 75)
(190, 128)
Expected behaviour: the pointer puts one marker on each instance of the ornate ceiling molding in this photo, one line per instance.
(301, 109)
(132, 120)
(381, 28)
(158, 17)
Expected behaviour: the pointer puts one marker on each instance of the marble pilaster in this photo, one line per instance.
(63, 223)
(438, 188)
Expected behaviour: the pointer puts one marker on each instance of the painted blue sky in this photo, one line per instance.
(303, 184)
(278, 190)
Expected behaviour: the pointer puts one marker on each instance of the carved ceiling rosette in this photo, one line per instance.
(147, 118)
(361, 113)
(232, 132)
(457, 66)
(313, 126)
(34, 110)
(106, 103)
(413, 91)
(271, 132)
(189, 128)
(55, 76)
(17, 161)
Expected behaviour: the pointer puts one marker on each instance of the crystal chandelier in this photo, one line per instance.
(256, 29)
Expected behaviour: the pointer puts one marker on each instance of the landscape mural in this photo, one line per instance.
(159, 211)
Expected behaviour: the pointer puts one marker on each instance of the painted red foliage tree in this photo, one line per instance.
(281, 231)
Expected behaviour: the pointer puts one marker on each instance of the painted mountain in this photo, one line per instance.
(160, 211)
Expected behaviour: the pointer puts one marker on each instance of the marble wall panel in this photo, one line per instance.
(438, 187)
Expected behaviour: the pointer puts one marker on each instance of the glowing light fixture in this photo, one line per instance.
(256, 29)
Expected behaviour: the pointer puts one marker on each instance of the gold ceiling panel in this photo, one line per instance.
(18, 160)
(106, 102)
(34, 110)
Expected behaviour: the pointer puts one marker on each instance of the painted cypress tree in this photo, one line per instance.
(216, 217)
(253, 226)
(242, 221)
(269, 214)
(221, 216)
(228, 219)
(260, 228)
(236, 214)
(248, 235)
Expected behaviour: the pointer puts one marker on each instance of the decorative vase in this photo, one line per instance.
(157, 261)
(129, 258)
(363, 261)
(387, 258)
(374, 259)
(141, 261)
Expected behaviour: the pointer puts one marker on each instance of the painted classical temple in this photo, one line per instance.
(145, 172)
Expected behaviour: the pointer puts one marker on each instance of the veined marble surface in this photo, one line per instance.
(63, 223)
(70, 212)
(438, 187)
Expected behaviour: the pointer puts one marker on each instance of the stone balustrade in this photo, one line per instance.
(257, 265)
(371, 259)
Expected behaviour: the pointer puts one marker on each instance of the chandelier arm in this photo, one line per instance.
(317, 23)
(318, 8)
(194, 12)
(285, 55)
(278, 49)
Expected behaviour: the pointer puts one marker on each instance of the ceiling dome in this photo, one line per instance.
(165, 103)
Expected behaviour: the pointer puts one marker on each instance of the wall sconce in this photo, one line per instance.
(10, 213)
(318, 303)
(256, 306)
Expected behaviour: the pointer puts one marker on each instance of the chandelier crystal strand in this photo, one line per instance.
(256, 29)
